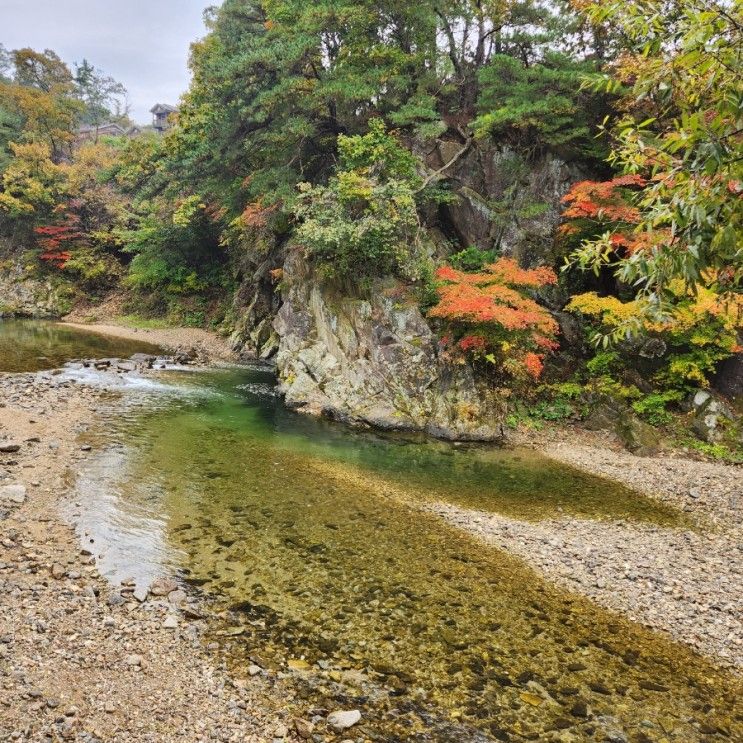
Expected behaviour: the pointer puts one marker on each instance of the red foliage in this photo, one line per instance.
(472, 343)
(603, 201)
(495, 300)
(54, 241)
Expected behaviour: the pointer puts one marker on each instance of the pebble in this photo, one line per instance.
(343, 719)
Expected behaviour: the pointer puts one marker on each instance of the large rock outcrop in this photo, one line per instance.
(21, 296)
(374, 361)
(504, 201)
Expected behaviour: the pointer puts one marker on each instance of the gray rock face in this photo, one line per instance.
(22, 296)
(503, 201)
(374, 361)
(729, 380)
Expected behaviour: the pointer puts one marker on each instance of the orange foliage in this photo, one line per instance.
(593, 206)
(255, 215)
(494, 300)
(602, 201)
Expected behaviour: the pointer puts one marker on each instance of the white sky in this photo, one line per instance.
(144, 44)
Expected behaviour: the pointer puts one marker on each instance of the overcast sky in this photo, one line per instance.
(142, 43)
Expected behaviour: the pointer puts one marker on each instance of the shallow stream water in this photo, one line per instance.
(33, 345)
(305, 540)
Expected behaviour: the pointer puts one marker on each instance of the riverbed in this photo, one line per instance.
(319, 559)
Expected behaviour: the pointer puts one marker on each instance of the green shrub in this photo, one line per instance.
(365, 221)
(472, 258)
(653, 407)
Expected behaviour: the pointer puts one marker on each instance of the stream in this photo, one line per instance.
(307, 544)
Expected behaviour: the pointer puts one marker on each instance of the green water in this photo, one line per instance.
(28, 345)
(305, 542)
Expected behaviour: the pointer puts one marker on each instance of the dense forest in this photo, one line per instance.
(354, 137)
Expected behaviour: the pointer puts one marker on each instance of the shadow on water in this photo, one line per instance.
(293, 530)
(29, 345)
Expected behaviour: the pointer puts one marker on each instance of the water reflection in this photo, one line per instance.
(34, 345)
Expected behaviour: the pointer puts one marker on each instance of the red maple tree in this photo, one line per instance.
(491, 315)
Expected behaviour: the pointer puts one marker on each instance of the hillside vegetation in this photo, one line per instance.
(347, 131)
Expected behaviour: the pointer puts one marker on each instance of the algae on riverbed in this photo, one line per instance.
(299, 536)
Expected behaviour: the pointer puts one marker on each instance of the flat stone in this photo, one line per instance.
(343, 719)
(171, 622)
(13, 493)
(9, 448)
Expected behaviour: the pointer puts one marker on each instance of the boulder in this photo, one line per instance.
(374, 361)
(711, 417)
(637, 436)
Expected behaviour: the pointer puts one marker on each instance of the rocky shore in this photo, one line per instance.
(80, 659)
(196, 342)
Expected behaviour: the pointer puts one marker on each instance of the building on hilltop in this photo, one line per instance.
(90, 133)
(161, 112)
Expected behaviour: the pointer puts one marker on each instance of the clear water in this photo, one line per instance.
(305, 541)
(30, 345)
(304, 538)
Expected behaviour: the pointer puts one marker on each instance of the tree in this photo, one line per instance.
(539, 106)
(32, 184)
(492, 317)
(681, 134)
(41, 95)
(103, 97)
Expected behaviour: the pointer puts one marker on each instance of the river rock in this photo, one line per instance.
(163, 586)
(343, 719)
(304, 728)
(14, 494)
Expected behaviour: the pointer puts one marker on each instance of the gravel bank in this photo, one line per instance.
(80, 660)
(710, 489)
(687, 584)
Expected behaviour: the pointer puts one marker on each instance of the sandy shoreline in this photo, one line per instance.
(208, 346)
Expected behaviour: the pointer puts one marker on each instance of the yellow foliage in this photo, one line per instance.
(611, 311)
